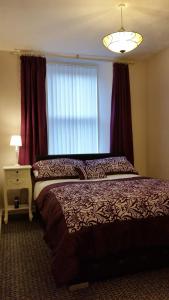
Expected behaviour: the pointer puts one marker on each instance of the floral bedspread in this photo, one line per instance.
(91, 203)
(88, 221)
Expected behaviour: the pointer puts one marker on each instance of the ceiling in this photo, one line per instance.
(74, 27)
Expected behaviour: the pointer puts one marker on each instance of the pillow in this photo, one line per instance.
(90, 172)
(113, 165)
(56, 168)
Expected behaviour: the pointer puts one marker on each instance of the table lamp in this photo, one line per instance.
(17, 142)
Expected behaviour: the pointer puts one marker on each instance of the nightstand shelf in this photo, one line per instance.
(21, 207)
(17, 178)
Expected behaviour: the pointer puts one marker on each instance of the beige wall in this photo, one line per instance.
(158, 115)
(9, 108)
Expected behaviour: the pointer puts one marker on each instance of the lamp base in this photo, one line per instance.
(17, 155)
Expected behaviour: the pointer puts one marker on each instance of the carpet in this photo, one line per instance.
(25, 272)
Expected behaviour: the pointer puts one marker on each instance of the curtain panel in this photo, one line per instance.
(33, 109)
(121, 138)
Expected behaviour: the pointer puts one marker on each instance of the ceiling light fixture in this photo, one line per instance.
(122, 41)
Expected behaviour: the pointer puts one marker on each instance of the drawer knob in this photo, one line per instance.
(17, 179)
(17, 172)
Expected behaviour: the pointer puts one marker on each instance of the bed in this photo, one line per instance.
(101, 218)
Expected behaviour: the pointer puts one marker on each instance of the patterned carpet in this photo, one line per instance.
(25, 272)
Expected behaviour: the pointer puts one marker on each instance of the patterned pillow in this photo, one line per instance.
(94, 172)
(56, 168)
(90, 172)
(113, 165)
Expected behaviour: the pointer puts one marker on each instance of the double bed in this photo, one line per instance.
(101, 218)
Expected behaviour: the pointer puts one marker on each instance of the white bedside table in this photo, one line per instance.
(17, 177)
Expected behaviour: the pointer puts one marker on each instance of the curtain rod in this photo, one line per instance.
(69, 56)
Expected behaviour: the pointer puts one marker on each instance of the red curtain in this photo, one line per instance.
(33, 109)
(121, 138)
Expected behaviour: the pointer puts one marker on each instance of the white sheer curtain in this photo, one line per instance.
(72, 108)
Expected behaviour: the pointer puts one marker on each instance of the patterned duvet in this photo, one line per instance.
(85, 220)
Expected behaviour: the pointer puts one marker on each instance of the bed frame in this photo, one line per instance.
(76, 156)
(124, 263)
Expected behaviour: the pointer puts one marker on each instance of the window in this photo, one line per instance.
(72, 106)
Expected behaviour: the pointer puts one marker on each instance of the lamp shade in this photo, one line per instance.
(16, 140)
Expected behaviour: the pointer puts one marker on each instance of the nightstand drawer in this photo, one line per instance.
(16, 174)
(17, 182)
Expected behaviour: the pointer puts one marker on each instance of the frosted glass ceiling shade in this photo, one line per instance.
(122, 41)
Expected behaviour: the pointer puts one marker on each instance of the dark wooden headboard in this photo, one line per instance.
(75, 156)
